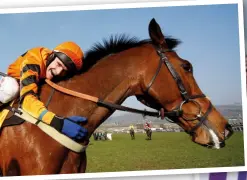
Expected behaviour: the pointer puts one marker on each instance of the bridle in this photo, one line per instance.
(178, 111)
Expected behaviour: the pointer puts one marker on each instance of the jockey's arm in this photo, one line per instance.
(30, 76)
(29, 68)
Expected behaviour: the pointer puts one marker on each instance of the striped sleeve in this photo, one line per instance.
(30, 76)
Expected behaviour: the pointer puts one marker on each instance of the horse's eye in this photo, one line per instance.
(187, 67)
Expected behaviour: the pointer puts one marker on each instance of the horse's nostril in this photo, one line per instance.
(222, 144)
(228, 131)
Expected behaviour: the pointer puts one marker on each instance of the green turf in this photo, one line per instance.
(165, 151)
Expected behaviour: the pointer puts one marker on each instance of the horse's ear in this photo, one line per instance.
(156, 35)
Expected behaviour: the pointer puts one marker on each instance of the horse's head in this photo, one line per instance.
(169, 86)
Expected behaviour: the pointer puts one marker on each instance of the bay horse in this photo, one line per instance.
(149, 69)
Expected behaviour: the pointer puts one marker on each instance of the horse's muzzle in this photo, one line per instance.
(227, 134)
(228, 131)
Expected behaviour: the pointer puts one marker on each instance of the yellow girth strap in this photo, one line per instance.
(61, 138)
(4, 113)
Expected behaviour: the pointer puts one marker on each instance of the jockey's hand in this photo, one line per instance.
(72, 129)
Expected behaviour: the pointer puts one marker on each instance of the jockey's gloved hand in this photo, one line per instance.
(70, 127)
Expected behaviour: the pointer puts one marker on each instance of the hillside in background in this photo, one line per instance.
(232, 112)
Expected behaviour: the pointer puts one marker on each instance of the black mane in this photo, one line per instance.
(115, 45)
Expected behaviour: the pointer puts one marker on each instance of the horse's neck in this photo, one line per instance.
(117, 95)
(109, 81)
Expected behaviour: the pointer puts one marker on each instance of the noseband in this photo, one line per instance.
(178, 112)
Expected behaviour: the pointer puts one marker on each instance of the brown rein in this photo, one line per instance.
(101, 102)
(71, 92)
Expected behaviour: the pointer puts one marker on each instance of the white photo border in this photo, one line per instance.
(144, 5)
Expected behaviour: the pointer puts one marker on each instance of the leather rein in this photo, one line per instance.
(98, 101)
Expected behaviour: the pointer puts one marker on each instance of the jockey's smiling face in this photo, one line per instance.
(55, 68)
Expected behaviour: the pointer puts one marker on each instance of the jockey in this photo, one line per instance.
(147, 126)
(40, 63)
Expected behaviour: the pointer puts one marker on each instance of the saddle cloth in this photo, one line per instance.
(7, 117)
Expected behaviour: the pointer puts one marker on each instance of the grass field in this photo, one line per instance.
(165, 151)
